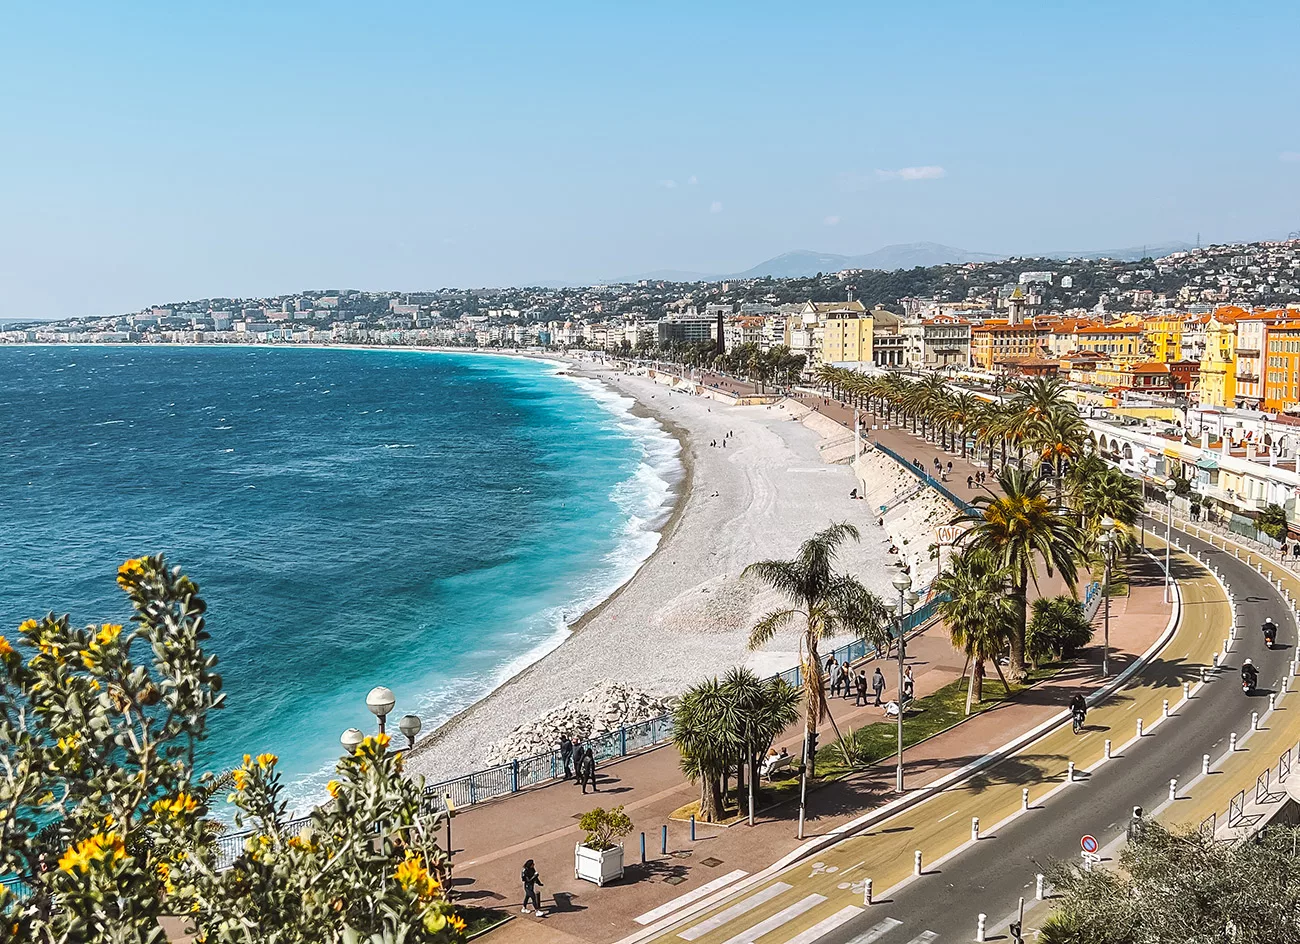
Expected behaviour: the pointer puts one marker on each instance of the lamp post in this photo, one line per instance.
(352, 739)
(902, 583)
(380, 701)
(410, 726)
(1107, 539)
(1170, 485)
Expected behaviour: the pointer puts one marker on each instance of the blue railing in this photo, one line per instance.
(959, 503)
(15, 887)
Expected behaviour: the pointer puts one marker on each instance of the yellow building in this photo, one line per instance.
(997, 341)
(1113, 341)
(1163, 338)
(847, 340)
(1218, 380)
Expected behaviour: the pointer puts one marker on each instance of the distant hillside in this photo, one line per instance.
(1131, 254)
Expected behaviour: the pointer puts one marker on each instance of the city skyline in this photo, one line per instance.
(252, 152)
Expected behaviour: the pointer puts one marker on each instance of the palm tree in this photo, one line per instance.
(1019, 528)
(1108, 493)
(1057, 628)
(963, 413)
(977, 611)
(704, 730)
(764, 709)
(1061, 437)
(824, 602)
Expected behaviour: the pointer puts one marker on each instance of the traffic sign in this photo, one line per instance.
(1089, 844)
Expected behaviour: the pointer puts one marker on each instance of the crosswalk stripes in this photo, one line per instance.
(690, 897)
(734, 912)
(826, 926)
(925, 937)
(873, 934)
(781, 917)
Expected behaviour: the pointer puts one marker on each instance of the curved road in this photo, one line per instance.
(941, 908)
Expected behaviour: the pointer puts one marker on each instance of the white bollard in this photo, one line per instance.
(1165, 709)
(866, 892)
(1139, 727)
(1272, 701)
(1232, 742)
(1173, 788)
(1205, 763)
(974, 829)
(1187, 690)
(979, 926)
(916, 865)
(1216, 660)
(1024, 799)
(1039, 882)
(1236, 553)
(1069, 773)
(1254, 721)
(1106, 748)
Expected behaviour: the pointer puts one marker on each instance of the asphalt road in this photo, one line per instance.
(991, 876)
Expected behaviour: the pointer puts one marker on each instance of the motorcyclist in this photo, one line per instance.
(1249, 674)
(1079, 706)
(1270, 632)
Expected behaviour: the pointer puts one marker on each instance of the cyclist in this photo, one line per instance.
(1078, 709)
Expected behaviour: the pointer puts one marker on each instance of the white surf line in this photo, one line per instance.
(826, 926)
(873, 934)
(783, 916)
(693, 895)
(734, 912)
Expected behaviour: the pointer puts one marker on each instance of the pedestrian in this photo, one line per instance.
(589, 771)
(532, 881)
(909, 685)
(575, 752)
(566, 756)
(860, 685)
(878, 684)
(837, 676)
(950, 467)
(970, 482)
(848, 680)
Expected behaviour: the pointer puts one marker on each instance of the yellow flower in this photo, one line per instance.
(413, 876)
(248, 759)
(131, 571)
(5, 648)
(457, 922)
(266, 761)
(26, 626)
(108, 633)
(70, 742)
(240, 777)
(89, 659)
(333, 788)
(372, 741)
(101, 848)
(183, 803)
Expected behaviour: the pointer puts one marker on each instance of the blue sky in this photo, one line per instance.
(154, 152)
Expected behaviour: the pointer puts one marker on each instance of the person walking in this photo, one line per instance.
(575, 752)
(589, 771)
(847, 680)
(860, 684)
(878, 684)
(837, 677)
(531, 881)
(566, 756)
(970, 481)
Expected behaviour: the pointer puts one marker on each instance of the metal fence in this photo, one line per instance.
(1236, 807)
(921, 473)
(15, 887)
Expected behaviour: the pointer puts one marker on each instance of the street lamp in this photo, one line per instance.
(1170, 485)
(380, 701)
(410, 726)
(902, 583)
(352, 739)
(1108, 540)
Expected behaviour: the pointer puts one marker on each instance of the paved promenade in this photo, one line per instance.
(492, 840)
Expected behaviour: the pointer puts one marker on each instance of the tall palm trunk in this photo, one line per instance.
(710, 799)
(1016, 664)
(975, 691)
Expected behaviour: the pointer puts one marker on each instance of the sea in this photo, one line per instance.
(427, 521)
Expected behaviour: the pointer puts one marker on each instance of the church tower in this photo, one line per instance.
(1016, 306)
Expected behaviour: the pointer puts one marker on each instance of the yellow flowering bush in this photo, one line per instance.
(106, 821)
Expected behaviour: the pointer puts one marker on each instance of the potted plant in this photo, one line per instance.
(599, 858)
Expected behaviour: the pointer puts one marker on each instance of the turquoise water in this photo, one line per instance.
(424, 521)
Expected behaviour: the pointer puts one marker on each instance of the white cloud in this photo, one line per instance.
(668, 184)
(715, 206)
(692, 180)
(1290, 157)
(912, 173)
(832, 221)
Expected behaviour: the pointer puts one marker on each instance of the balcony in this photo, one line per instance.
(1248, 352)
(1248, 378)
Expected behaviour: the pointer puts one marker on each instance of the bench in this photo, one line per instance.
(778, 765)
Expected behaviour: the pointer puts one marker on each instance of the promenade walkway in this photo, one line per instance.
(492, 840)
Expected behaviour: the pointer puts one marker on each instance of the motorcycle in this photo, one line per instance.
(1270, 636)
(1248, 683)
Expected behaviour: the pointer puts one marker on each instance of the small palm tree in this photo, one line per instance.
(977, 611)
(1057, 628)
(704, 730)
(825, 602)
(764, 709)
(1020, 528)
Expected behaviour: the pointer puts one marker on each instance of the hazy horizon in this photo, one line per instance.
(160, 153)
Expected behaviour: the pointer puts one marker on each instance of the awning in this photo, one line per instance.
(1206, 464)
(1171, 453)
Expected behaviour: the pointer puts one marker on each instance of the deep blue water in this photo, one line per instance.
(353, 518)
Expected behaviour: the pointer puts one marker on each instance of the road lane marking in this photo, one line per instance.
(876, 933)
(949, 816)
(694, 895)
(783, 916)
(925, 937)
(735, 911)
(826, 926)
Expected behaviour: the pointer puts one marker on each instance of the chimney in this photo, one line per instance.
(850, 293)
(722, 344)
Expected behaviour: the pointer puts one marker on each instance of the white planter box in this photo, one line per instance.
(598, 867)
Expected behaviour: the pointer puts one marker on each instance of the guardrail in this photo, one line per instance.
(960, 503)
